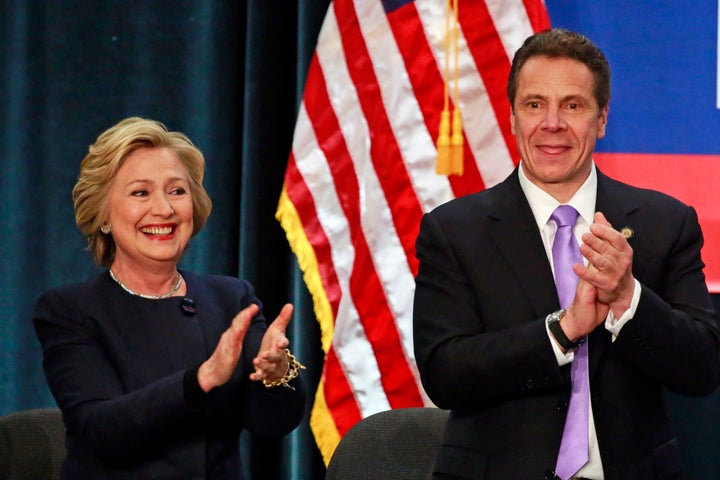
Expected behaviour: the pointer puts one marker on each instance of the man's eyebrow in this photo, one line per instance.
(566, 98)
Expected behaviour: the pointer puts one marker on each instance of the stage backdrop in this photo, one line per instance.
(227, 73)
(231, 75)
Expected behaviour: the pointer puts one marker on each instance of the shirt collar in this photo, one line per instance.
(543, 204)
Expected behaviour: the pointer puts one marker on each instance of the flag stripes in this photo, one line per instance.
(362, 173)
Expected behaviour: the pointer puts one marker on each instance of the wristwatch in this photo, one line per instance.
(553, 323)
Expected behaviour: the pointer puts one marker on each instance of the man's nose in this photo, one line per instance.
(554, 120)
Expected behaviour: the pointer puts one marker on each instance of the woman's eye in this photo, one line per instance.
(139, 193)
(179, 191)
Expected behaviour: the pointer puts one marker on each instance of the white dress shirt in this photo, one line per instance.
(543, 205)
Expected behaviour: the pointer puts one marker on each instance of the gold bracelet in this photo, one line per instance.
(292, 372)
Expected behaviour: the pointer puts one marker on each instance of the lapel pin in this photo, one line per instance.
(627, 232)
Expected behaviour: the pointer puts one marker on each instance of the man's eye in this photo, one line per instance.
(573, 106)
(534, 105)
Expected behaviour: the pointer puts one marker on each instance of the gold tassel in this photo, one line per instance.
(450, 146)
(456, 145)
(442, 164)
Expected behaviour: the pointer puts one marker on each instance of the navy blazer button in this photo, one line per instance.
(188, 307)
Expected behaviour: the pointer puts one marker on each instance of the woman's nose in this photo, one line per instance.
(162, 206)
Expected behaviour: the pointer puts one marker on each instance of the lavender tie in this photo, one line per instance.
(574, 447)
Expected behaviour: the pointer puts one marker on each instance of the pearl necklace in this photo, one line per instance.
(174, 288)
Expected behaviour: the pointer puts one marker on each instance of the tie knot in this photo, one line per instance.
(564, 215)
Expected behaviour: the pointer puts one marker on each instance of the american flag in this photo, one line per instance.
(362, 172)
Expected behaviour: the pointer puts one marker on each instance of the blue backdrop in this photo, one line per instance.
(663, 56)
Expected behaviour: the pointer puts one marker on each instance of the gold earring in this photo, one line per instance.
(105, 228)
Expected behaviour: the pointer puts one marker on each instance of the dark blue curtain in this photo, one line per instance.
(230, 75)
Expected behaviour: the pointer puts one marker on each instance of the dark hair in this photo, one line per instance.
(561, 43)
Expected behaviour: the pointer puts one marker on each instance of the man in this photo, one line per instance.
(491, 340)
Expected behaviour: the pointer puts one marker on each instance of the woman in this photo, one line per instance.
(158, 370)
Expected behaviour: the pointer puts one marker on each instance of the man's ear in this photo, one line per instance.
(603, 121)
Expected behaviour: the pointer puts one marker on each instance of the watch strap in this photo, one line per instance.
(553, 323)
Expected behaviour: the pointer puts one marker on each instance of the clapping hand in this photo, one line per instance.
(609, 267)
(270, 364)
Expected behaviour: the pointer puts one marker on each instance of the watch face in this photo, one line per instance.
(556, 316)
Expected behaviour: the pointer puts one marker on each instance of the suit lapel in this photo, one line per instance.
(513, 229)
(613, 202)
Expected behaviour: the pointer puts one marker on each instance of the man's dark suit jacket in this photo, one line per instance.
(118, 367)
(483, 291)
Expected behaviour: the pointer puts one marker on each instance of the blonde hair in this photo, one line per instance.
(104, 159)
